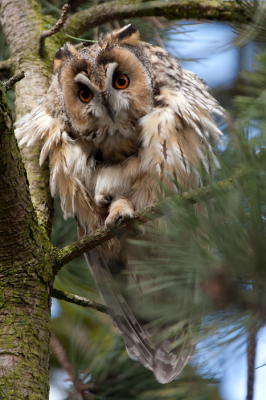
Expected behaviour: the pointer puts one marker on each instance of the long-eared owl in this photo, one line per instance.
(120, 119)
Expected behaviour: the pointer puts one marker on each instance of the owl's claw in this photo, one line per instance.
(103, 200)
(117, 218)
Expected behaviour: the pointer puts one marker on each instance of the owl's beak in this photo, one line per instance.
(111, 114)
(109, 110)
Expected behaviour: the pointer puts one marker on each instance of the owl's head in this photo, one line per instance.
(112, 93)
(104, 87)
(97, 94)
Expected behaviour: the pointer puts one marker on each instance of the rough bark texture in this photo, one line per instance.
(22, 24)
(25, 222)
(25, 275)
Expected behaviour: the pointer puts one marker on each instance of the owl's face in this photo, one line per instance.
(103, 88)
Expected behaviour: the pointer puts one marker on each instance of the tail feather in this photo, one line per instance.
(137, 342)
(164, 358)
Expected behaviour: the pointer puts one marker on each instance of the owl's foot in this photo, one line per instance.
(120, 211)
(115, 220)
(103, 200)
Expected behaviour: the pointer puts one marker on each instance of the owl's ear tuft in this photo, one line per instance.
(64, 53)
(128, 35)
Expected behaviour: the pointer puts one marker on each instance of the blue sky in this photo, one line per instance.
(216, 60)
(234, 380)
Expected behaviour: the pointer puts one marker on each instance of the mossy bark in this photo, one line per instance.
(22, 23)
(26, 264)
(26, 277)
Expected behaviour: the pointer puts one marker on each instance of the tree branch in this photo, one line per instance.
(12, 81)
(87, 243)
(85, 20)
(80, 301)
(56, 28)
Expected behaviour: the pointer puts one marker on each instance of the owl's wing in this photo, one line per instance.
(163, 357)
(70, 170)
(179, 133)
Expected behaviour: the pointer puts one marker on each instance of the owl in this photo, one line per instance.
(121, 121)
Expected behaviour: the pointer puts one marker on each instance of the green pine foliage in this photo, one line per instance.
(113, 375)
(251, 22)
(221, 243)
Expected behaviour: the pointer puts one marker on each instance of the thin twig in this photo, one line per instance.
(158, 37)
(260, 366)
(56, 28)
(251, 354)
(87, 243)
(61, 355)
(80, 301)
(11, 82)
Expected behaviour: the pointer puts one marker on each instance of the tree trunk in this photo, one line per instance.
(26, 277)
(25, 221)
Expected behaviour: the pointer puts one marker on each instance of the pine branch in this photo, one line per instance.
(85, 20)
(78, 300)
(87, 243)
(56, 28)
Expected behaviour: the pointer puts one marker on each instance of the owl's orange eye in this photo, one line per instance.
(85, 95)
(121, 82)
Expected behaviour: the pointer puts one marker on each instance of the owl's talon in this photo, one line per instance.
(116, 219)
(103, 200)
